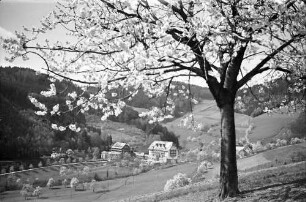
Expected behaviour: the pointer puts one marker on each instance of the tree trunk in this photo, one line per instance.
(228, 167)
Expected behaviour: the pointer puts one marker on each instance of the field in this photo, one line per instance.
(261, 178)
(280, 161)
(268, 174)
(271, 127)
(110, 190)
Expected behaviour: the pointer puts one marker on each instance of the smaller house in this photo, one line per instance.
(117, 151)
(163, 151)
(121, 147)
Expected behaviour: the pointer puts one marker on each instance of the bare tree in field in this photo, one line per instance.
(149, 44)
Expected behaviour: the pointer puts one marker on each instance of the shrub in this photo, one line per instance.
(63, 171)
(3, 170)
(50, 183)
(21, 167)
(40, 164)
(12, 182)
(280, 143)
(37, 191)
(27, 190)
(202, 168)
(295, 140)
(31, 166)
(179, 180)
(93, 185)
(74, 182)
(86, 170)
(11, 169)
(258, 147)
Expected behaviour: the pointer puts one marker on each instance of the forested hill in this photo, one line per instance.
(24, 134)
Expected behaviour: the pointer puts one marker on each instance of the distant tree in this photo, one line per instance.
(152, 43)
(96, 152)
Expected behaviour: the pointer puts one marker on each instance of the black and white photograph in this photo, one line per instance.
(153, 100)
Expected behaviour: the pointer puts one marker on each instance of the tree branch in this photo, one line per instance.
(256, 70)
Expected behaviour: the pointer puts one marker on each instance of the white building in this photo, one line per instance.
(163, 151)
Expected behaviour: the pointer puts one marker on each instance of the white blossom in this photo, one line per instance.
(61, 128)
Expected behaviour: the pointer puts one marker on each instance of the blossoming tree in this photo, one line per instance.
(149, 44)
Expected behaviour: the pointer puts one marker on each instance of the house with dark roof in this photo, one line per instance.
(117, 151)
(163, 151)
(121, 147)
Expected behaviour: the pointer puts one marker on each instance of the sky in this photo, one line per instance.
(14, 14)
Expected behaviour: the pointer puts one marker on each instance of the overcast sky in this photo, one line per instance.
(14, 14)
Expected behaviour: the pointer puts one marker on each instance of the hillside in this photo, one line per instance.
(262, 177)
(271, 127)
(24, 134)
(207, 114)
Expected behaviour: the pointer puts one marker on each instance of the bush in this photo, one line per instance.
(280, 143)
(179, 180)
(63, 171)
(50, 183)
(3, 170)
(93, 185)
(11, 169)
(37, 191)
(258, 147)
(13, 182)
(295, 140)
(86, 170)
(40, 164)
(28, 191)
(202, 168)
(74, 182)
(21, 167)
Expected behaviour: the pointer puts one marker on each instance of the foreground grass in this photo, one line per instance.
(283, 183)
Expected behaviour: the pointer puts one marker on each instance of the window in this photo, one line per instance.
(172, 153)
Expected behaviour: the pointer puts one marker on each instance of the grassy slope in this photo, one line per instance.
(283, 183)
(269, 127)
(252, 183)
(120, 132)
(154, 181)
(206, 113)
